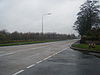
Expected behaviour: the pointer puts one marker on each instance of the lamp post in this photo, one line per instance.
(43, 20)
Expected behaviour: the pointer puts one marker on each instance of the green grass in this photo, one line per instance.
(85, 46)
(23, 43)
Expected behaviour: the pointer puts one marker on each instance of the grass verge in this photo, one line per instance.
(23, 43)
(85, 46)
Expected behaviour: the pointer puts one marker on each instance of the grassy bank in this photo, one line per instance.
(85, 46)
(23, 43)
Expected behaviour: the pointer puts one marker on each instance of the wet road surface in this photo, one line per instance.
(67, 62)
(54, 58)
(14, 59)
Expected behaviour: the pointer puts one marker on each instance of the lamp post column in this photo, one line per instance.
(42, 24)
(43, 21)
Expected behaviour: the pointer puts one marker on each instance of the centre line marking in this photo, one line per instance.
(18, 72)
(39, 61)
(31, 66)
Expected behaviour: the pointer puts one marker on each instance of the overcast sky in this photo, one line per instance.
(25, 15)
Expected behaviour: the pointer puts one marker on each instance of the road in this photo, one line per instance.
(54, 58)
(16, 58)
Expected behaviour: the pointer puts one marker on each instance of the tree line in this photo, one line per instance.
(7, 37)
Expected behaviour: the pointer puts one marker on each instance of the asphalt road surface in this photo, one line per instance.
(55, 58)
(15, 58)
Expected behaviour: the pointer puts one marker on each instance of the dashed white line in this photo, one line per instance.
(18, 72)
(58, 52)
(47, 58)
(39, 61)
(31, 66)
(53, 54)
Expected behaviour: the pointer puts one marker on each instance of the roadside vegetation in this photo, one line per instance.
(88, 25)
(23, 43)
(85, 46)
(16, 38)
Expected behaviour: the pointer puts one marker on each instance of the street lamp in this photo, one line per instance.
(43, 19)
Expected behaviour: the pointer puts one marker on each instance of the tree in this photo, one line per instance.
(88, 17)
(4, 35)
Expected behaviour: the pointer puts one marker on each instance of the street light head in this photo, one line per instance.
(49, 14)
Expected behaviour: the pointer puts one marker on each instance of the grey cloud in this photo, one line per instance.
(25, 15)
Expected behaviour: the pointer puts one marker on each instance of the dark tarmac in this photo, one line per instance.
(68, 62)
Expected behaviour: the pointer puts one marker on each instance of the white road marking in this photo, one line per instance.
(7, 54)
(39, 61)
(25, 50)
(31, 66)
(20, 51)
(47, 58)
(18, 72)
(50, 56)
(58, 52)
